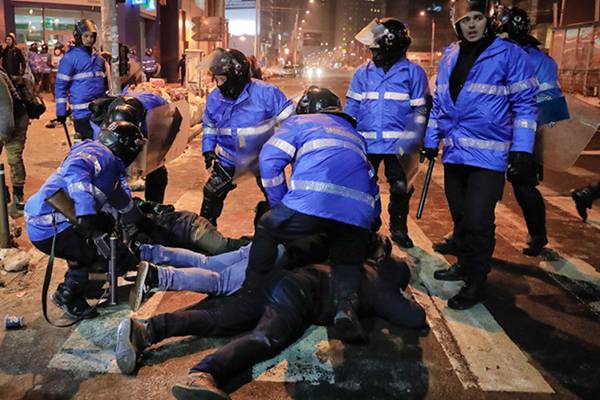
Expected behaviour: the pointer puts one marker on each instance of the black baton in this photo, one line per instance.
(64, 124)
(425, 188)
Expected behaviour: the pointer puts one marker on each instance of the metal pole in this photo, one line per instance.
(257, 37)
(112, 271)
(4, 226)
(295, 38)
(597, 11)
(562, 13)
(432, 43)
(110, 41)
(555, 15)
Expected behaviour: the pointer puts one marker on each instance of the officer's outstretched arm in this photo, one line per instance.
(282, 106)
(522, 85)
(62, 85)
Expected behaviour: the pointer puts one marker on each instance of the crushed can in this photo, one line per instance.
(13, 322)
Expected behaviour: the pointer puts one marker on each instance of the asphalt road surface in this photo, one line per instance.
(537, 336)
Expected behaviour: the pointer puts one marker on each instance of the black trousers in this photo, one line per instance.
(532, 203)
(156, 185)
(83, 128)
(400, 193)
(283, 225)
(472, 194)
(281, 321)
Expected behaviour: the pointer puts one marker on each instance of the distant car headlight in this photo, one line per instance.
(319, 72)
(309, 72)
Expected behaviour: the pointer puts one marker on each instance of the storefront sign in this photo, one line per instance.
(89, 3)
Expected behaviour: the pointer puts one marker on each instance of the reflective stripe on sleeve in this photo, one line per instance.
(396, 96)
(45, 219)
(272, 182)
(478, 144)
(61, 100)
(63, 77)
(399, 134)
(256, 130)
(494, 90)
(87, 188)
(330, 188)
(432, 123)
(355, 96)
(81, 106)
(418, 102)
(526, 123)
(282, 145)
(285, 113)
(368, 135)
(318, 144)
(524, 85)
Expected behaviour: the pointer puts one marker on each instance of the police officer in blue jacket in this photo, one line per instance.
(149, 63)
(81, 78)
(388, 99)
(93, 175)
(485, 112)
(239, 118)
(333, 189)
(515, 22)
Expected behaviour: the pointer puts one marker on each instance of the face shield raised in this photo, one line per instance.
(230, 69)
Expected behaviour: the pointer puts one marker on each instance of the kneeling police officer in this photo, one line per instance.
(94, 178)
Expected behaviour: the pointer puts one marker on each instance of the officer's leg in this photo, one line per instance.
(14, 155)
(400, 194)
(156, 185)
(348, 252)
(207, 239)
(81, 257)
(534, 211)
(375, 160)
(83, 129)
(484, 190)
(212, 203)
(283, 322)
(585, 197)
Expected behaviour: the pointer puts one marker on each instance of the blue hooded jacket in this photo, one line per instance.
(80, 79)
(240, 127)
(389, 108)
(331, 176)
(495, 112)
(94, 178)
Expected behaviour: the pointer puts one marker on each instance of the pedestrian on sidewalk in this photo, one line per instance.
(13, 60)
(485, 111)
(584, 198)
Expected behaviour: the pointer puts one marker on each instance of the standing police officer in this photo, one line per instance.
(333, 189)
(515, 22)
(387, 98)
(93, 176)
(485, 111)
(239, 118)
(149, 64)
(81, 78)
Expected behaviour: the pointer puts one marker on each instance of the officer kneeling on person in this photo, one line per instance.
(333, 189)
(93, 175)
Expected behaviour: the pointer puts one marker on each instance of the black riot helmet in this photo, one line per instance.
(124, 139)
(460, 9)
(515, 22)
(126, 108)
(82, 26)
(232, 64)
(388, 39)
(321, 100)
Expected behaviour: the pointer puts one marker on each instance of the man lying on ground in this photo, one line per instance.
(272, 319)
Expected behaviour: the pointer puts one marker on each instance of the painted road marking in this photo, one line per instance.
(486, 358)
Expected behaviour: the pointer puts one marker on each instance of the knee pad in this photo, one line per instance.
(400, 188)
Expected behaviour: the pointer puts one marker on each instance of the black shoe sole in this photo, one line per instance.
(403, 243)
(465, 306)
(124, 351)
(136, 295)
(449, 278)
(183, 392)
(349, 332)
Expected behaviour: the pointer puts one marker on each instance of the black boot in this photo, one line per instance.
(348, 325)
(398, 209)
(147, 279)
(455, 273)
(69, 298)
(18, 198)
(472, 293)
(535, 246)
(584, 198)
(380, 248)
(133, 336)
(448, 246)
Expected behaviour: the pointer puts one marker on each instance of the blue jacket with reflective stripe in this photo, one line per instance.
(331, 176)
(80, 79)
(92, 176)
(390, 109)
(240, 127)
(552, 105)
(148, 64)
(494, 113)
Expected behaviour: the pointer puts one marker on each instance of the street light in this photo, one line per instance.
(432, 10)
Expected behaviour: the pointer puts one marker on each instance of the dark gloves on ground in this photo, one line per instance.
(61, 118)
(522, 168)
(209, 158)
(429, 153)
(151, 207)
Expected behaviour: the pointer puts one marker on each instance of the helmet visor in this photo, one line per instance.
(371, 33)
(461, 8)
(217, 63)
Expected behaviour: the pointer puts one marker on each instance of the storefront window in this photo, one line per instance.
(28, 25)
(57, 26)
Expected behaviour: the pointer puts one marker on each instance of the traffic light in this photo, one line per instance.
(123, 60)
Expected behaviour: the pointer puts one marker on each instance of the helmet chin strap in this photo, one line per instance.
(385, 59)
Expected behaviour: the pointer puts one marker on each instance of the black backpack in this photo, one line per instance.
(33, 102)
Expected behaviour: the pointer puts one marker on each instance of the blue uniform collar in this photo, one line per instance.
(498, 46)
(400, 65)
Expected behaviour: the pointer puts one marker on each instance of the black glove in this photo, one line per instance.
(429, 153)
(138, 233)
(522, 168)
(209, 158)
(61, 118)
(88, 226)
(151, 207)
